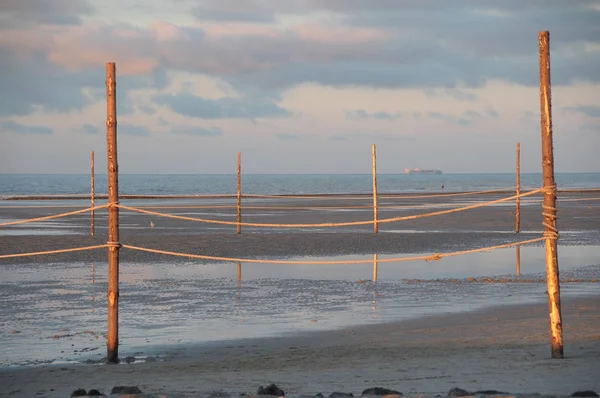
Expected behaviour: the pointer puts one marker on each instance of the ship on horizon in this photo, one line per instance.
(422, 171)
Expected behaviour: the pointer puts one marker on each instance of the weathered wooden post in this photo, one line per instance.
(239, 193)
(375, 210)
(92, 197)
(518, 200)
(375, 263)
(549, 204)
(112, 344)
(239, 269)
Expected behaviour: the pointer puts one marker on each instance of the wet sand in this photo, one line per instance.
(504, 348)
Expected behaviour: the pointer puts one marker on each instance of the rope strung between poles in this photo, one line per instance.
(343, 224)
(71, 213)
(58, 251)
(433, 257)
(384, 196)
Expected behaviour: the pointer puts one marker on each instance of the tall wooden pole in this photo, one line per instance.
(112, 344)
(518, 253)
(549, 206)
(92, 197)
(518, 200)
(239, 193)
(375, 210)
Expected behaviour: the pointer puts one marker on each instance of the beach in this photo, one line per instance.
(501, 348)
(474, 334)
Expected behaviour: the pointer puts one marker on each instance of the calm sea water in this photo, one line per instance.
(189, 184)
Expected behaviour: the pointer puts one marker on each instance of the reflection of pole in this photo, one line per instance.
(518, 200)
(93, 194)
(549, 205)
(375, 262)
(518, 250)
(93, 274)
(239, 193)
(375, 210)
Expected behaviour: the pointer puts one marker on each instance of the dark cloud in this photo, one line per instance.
(198, 131)
(233, 10)
(14, 127)
(33, 82)
(224, 108)
(360, 114)
(587, 110)
(56, 12)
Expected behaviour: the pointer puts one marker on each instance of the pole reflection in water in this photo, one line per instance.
(238, 294)
(93, 281)
(375, 263)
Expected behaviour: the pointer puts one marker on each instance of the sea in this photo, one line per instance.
(280, 184)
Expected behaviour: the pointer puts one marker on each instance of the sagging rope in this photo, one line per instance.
(432, 257)
(343, 224)
(381, 196)
(71, 213)
(58, 251)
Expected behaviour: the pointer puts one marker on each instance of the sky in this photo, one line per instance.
(297, 86)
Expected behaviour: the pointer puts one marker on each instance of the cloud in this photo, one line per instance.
(14, 127)
(60, 12)
(467, 118)
(198, 131)
(492, 112)
(268, 45)
(460, 95)
(360, 114)
(288, 137)
(224, 108)
(587, 110)
(129, 129)
(89, 129)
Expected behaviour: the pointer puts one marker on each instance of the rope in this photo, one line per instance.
(549, 213)
(75, 249)
(432, 257)
(344, 224)
(53, 216)
(386, 196)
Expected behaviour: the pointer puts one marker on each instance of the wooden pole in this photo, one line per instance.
(549, 206)
(239, 193)
(518, 200)
(112, 344)
(375, 210)
(518, 250)
(375, 263)
(239, 271)
(92, 197)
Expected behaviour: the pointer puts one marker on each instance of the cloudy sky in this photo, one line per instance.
(298, 86)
